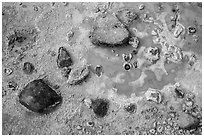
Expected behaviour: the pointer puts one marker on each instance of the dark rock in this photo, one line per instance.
(65, 72)
(191, 30)
(38, 97)
(98, 70)
(179, 92)
(12, 85)
(127, 57)
(8, 71)
(100, 107)
(64, 58)
(28, 68)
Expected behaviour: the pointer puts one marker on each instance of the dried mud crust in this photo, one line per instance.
(102, 68)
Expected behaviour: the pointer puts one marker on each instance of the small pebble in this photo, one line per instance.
(135, 65)
(141, 7)
(12, 85)
(8, 71)
(191, 30)
(99, 70)
(79, 127)
(35, 8)
(28, 68)
(65, 3)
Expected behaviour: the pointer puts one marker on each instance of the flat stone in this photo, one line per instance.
(64, 58)
(78, 75)
(38, 97)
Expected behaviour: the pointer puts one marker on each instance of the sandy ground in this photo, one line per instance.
(160, 94)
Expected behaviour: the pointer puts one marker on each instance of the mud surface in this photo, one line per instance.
(102, 68)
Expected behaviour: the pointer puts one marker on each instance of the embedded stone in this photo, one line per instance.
(131, 108)
(127, 16)
(109, 32)
(152, 54)
(127, 57)
(100, 107)
(179, 92)
(78, 75)
(134, 42)
(64, 58)
(38, 97)
(153, 95)
(28, 68)
(98, 70)
(179, 29)
(174, 54)
(191, 30)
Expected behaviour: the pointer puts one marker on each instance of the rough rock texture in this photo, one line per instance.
(37, 96)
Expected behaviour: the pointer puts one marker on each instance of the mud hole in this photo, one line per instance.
(102, 68)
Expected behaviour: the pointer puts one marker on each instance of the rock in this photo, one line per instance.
(64, 58)
(99, 70)
(78, 75)
(188, 122)
(179, 92)
(191, 30)
(79, 127)
(65, 72)
(100, 107)
(131, 108)
(12, 85)
(127, 16)
(152, 54)
(127, 57)
(8, 71)
(109, 32)
(153, 95)
(141, 7)
(179, 29)
(28, 68)
(38, 97)
(134, 42)
(174, 54)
